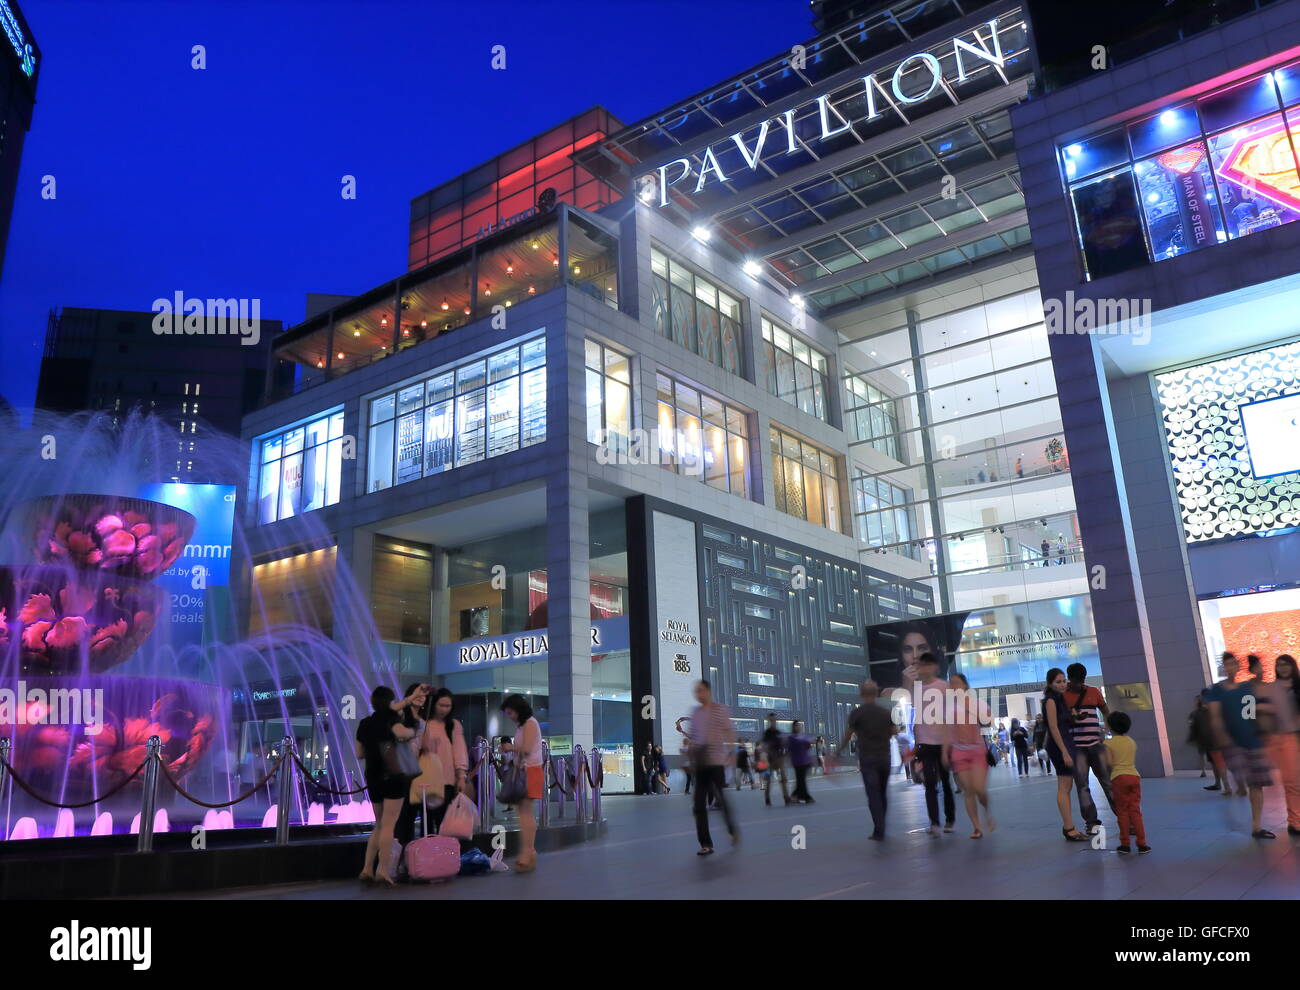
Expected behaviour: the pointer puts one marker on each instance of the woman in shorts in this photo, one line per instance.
(966, 752)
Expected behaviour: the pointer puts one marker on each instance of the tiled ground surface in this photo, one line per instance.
(1201, 841)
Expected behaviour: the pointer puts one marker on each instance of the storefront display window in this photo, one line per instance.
(484, 408)
(1190, 176)
(301, 469)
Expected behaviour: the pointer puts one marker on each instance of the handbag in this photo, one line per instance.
(430, 779)
(398, 760)
(514, 783)
(988, 755)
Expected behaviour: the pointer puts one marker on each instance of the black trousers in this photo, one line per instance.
(1022, 760)
(931, 762)
(800, 792)
(875, 778)
(710, 783)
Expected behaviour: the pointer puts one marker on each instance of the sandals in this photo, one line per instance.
(1263, 833)
(977, 834)
(1073, 835)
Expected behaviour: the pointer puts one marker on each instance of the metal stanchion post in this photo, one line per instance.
(544, 812)
(480, 791)
(490, 785)
(579, 785)
(596, 772)
(285, 798)
(4, 774)
(557, 772)
(149, 800)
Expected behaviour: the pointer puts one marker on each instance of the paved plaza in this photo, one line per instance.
(1201, 842)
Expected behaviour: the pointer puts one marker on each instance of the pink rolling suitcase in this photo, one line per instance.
(434, 857)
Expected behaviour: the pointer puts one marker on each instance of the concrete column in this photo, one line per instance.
(568, 606)
(1118, 604)
(1159, 542)
(440, 601)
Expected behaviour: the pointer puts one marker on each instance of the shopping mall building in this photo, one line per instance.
(739, 390)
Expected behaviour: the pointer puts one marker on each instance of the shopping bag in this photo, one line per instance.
(461, 818)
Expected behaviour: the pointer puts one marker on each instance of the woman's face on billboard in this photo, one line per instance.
(914, 644)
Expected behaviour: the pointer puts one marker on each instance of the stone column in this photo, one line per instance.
(1118, 603)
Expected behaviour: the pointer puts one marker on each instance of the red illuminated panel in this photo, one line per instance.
(1265, 634)
(1263, 162)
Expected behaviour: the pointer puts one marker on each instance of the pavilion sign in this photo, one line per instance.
(879, 97)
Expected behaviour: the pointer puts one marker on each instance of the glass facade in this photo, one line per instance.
(1190, 176)
(301, 468)
(609, 396)
(702, 437)
(794, 371)
(460, 415)
(806, 480)
(507, 188)
(695, 312)
(871, 416)
(976, 493)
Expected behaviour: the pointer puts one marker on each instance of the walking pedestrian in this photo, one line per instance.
(1083, 701)
(743, 771)
(929, 733)
(1200, 735)
(1060, 749)
(966, 752)
(819, 748)
(1228, 664)
(710, 736)
(1233, 710)
(774, 751)
(1280, 716)
(1020, 743)
(872, 726)
(800, 747)
(1040, 743)
(1126, 783)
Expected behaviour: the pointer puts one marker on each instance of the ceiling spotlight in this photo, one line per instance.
(383, 321)
(445, 305)
(752, 268)
(701, 233)
(340, 355)
(424, 324)
(510, 268)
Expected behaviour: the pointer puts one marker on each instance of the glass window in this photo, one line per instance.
(1179, 201)
(483, 408)
(702, 437)
(795, 372)
(695, 312)
(806, 480)
(301, 469)
(1256, 168)
(1187, 177)
(609, 396)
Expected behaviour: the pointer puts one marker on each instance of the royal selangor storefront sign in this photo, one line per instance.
(980, 45)
(607, 636)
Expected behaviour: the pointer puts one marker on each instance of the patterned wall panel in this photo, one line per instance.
(1217, 493)
(774, 646)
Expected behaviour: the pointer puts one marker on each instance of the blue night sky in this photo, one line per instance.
(225, 182)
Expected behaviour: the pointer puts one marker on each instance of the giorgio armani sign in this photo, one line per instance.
(913, 80)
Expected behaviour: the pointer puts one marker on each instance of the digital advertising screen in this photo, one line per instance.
(1272, 435)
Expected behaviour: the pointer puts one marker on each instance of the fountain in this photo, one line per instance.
(93, 664)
